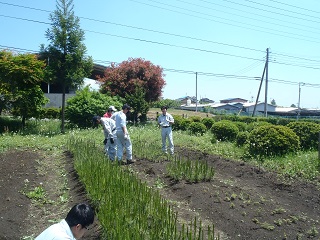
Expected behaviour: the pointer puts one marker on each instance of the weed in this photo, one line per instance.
(159, 183)
(37, 194)
(313, 232)
(278, 211)
(278, 222)
(294, 219)
(267, 226)
(233, 197)
(255, 220)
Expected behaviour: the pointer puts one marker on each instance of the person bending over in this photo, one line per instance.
(73, 227)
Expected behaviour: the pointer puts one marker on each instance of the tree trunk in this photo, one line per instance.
(23, 122)
(63, 107)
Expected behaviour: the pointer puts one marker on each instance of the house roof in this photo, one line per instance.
(229, 99)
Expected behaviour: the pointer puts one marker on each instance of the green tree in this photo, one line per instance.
(20, 77)
(166, 102)
(137, 101)
(86, 103)
(273, 102)
(67, 63)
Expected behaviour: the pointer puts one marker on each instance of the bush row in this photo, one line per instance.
(261, 136)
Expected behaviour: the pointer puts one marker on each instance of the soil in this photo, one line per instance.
(242, 201)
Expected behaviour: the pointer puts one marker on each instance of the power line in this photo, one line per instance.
(257, 29)
(259, 15)
(300, 8)
(286, 10)
(270, 11)
(171, 45)
(243, 16)
(207, 74)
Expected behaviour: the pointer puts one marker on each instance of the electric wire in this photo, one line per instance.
(206, 74)
(259, 15)
(257, 29)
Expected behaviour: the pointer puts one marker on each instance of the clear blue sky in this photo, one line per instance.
(225, 41)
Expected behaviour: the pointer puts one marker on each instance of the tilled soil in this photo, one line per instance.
(242, 201)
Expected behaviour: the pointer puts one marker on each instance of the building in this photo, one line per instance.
(233, 100)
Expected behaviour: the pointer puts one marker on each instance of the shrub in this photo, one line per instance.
(307, 132)
(195, 119)
(254, 125)
(242, 138)
(8, 124)
(181, 123)
(246, 119)
(208, 122)
(225, 130)
(85, 104)
(284, 121)
(272, 140)
(51, 113)
(197, 128)
(166, 102)
(241, 126)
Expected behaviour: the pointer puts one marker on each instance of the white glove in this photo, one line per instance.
(126, 136)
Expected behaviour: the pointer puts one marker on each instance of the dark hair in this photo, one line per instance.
(164, 107)
(95, 119)
(80, 213)
(126, 106)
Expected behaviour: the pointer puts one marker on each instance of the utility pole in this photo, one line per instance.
(265, 71)
(261, 81)
(266, 88)
(196, 91)
(48, 83)
(299, 109)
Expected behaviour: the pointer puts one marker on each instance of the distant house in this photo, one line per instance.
(184, 100)
(249, 107)
(233, 100)
(206, 100)
(225, 107)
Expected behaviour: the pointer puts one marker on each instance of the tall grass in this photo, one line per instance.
(190, 170)
(127, 208)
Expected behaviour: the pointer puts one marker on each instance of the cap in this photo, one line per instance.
(112, 108)
(126, 106)
(95, 119)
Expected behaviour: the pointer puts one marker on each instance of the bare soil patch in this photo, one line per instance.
(243, 202)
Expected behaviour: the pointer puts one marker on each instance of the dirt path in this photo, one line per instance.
(242, 202)
(22, 171)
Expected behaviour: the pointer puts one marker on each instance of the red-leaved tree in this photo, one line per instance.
(124, 78)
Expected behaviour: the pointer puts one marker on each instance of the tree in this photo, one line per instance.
(138, 103)
(86, 103)
(125, 77)
(67, 63)
(293, 105)
(273, 102)
(20, 77)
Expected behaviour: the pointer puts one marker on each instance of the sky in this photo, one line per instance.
(208, 49)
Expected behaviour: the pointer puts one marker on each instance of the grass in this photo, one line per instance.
(137, 211)
(46, 138)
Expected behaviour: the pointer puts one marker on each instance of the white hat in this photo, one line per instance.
(112, 108)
